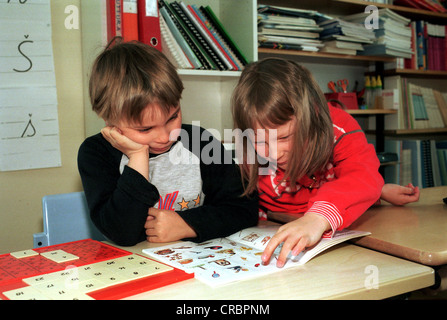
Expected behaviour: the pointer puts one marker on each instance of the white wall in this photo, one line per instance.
(21, 191)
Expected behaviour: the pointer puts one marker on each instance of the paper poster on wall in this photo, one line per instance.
(29, 129)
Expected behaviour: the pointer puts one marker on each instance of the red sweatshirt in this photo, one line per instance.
(350, 184)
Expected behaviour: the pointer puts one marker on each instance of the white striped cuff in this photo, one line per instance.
(330, 212)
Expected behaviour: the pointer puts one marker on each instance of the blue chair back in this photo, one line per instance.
(66, 218)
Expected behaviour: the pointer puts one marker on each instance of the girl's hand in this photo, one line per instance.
(296, 236)
(166, 226)
(399, 195)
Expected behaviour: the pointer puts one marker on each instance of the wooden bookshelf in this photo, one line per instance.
(371, 112)
(426, 131)
(209, 73)
(207, 95)
(346, 7)
(408, 12)
(325, 55)
(340, 8)
(416, 73)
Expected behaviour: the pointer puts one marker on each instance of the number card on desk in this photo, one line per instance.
(80, 270)
(29, 129)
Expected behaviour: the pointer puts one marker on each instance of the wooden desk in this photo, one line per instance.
(417, 231)
(338, 273)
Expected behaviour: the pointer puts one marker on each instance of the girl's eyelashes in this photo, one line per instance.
(261, 143)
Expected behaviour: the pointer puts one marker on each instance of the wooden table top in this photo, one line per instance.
(416, 231)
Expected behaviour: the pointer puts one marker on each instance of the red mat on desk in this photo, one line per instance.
(81, 269)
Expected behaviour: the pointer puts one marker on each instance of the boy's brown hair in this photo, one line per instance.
(270, 93)
(127, 77)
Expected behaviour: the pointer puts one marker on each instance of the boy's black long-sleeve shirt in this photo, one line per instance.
(194, 178)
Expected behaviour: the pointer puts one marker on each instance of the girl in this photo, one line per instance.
(322, 166)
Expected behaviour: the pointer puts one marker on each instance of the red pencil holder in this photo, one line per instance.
(346, 100)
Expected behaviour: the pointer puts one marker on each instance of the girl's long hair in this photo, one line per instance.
(272, 92)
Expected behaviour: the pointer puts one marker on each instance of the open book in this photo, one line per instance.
(237, 257)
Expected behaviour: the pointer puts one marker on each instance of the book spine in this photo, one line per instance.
(212, 60)
(427, 168)
(149, 23)
(279, 46)
(406, 109)
(210, 25)
(444, 55)
(436, 6)
(180, 39)
(114, 19)
(172, 48)
(216, 38)
(130, 20)
(414, 46)
(420, 45)
(425, 44)
(424, 5)
(225, 34)
(431, 65)
(204, 63)
(211, 43)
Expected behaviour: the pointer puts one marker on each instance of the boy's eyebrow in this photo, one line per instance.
(176, 110)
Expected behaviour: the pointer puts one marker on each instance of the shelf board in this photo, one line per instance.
(411, 132)
(406, 11)
(417, 73)
(325, 55)
(389, 163)
(210, 73)
(416, 131)
(369, 112)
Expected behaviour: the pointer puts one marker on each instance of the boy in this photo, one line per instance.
(143, 176)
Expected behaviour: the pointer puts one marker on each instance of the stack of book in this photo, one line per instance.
(343, 37)
(288, 28)
(392, 35)
(192, 37)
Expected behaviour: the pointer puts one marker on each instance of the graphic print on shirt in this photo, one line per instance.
(185, 205)
(168, 202)
(280, 186)
(180, 194)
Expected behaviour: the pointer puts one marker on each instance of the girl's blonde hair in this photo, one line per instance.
(272, 92)
(127, 77)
